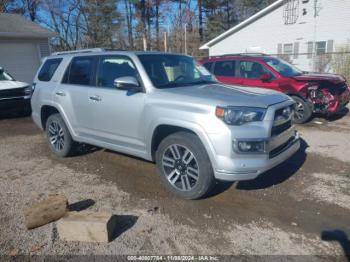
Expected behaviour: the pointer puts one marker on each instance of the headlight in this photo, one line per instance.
(237, 116)
(28, 90)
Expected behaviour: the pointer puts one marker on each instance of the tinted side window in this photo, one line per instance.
(252, 70)
(208, 66)
(225, 68)
(80, 71)
(48, 69)
(112, 67)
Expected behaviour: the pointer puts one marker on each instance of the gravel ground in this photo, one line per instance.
(299, 208)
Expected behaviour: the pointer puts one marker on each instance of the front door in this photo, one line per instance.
(251, 73)
(117, 114)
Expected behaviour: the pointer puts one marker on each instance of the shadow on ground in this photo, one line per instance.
(338, 236)
(81, 205)
(278, 174)
(331, 118)
(122, 222)
(85, 149)
(13, 114)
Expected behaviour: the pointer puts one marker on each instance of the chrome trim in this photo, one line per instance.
(15, 97)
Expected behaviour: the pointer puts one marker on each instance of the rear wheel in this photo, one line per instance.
(303, 110)
(184, 165)
(58, 136)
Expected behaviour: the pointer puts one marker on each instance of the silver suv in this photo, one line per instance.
(164, 108)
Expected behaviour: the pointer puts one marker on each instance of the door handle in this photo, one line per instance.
(60, 93)
(95, 98)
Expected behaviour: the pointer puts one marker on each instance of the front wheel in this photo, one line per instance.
(303, 111)
(184, 165)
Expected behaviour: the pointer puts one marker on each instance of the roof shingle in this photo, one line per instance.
(14, 25)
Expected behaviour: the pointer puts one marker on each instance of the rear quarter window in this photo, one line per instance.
(48, 69)
(80, 71)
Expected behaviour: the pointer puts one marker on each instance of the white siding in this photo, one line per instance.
(22, 58)
(268, 32)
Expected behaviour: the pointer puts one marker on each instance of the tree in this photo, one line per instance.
(103, 22)
(129, 17)
(4, 5)
(67, 18)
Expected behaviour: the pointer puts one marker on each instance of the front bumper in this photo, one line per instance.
(281, 142)
(17, 103)
(247, 169)
(339, 102)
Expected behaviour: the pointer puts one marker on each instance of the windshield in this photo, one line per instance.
(5, 76)
(168, 71)
(282, 67)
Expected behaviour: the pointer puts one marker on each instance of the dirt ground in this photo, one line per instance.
(299, 208)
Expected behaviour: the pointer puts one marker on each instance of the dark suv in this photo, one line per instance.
(313, 93)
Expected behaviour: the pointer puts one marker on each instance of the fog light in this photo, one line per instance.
(250, 146)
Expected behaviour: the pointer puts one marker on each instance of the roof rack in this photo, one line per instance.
(79, 51)
(241, 54)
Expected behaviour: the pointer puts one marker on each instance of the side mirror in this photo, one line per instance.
(128, 83)
(265, 77)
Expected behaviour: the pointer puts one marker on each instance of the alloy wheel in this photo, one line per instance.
(56, 136)
(299, 110)
(180, 167)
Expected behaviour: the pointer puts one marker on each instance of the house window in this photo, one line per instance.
(321, 47)
(288, 49)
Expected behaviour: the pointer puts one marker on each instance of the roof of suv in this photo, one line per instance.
(237, 56)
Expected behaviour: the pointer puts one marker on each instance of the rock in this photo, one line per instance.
(294, 224)
(51, 209)
(86, 226)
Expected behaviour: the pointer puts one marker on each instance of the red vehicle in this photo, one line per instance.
(313, 93)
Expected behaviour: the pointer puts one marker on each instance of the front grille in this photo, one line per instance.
(276, 130)
(280, 149)
(16, 92)
(282, 120)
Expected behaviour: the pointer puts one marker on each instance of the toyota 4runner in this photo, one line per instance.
(165, 108)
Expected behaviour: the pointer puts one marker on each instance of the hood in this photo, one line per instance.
(335, 79)
(7, 84)
(227, 95)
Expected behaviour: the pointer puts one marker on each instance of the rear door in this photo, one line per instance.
(72, 93)
(226, 72)
(251, 72)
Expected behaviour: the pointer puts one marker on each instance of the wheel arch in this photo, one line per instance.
(165, 129)
(48, 109)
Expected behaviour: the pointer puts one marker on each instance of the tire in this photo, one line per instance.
(303, 111)
(184, 165)
(59, 139)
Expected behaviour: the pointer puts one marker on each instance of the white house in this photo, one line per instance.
(307, 32)
(22, 45)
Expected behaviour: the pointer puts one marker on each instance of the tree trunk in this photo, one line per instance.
(200, 16)
(46, 211)
(157, 24)
(128, 14)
